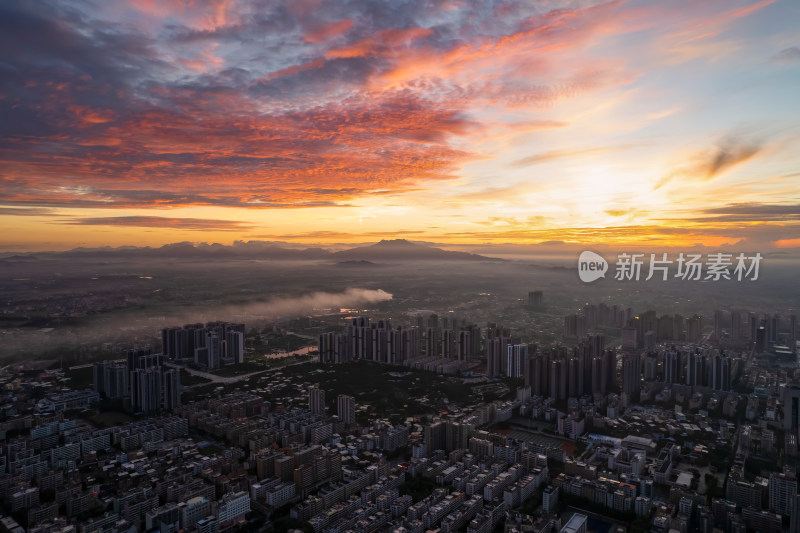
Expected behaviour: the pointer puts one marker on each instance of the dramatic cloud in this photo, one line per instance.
(427, 114)
(211, 104)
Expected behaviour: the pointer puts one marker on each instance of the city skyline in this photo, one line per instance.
(626, 123)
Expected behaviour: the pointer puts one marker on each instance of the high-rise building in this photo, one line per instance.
(196, 509)
(234, 346)
(631, 376)
(752, 326)
(574, 378)
(457, 435)
(719, 321)
(672, 367)
(214, 347)
(464, 345)
(515, 360)
(181, 343)
(791, 408)
(379, 347)
(431, 342)
(171, 389)
(146, 390)
(794, 523)
(736, 326)
(596, 344)
(773, 328)
(346, 408)
(584, 355)
(695, 369)
(609, 370)
(448, 344)
(576, 524)
(558, 379)
(550, 499)
(694, 328)
(761, 337)
(535, 298)
(496, 350)
(434, 435)
(316, 400)
(650, 367)
(409, 345)
(721, 372)
(110, 379)
(536, 374)
(630, 337)
(142, 357)
(170, 341)
(233, 506)
(152, 387)
(599, 385)
(782, 491)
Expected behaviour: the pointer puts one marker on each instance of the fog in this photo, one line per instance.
(62, 304)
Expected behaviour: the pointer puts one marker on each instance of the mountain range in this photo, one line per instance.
(395, 250)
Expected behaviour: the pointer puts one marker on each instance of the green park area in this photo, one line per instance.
(393, 391)
(275, 343)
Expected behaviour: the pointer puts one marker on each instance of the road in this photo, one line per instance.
(213, 377)
(230, 379)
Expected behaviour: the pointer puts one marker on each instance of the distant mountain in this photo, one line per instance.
(404, 250)
(355, 263)
(383, 251)
(253, 250)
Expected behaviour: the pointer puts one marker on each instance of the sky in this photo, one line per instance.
(652, 123)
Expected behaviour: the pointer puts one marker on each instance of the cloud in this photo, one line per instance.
(730, 152)
(787, 55)
(26, 211)
(754, 212)
(193, 224)
(303, 104)
(554, 155)
(122, 106)
(302, 158)
(787, 243)
(327, 31)
(383, 42)
(681, 233)
(728, 156)
(620, 212)
(326, 235)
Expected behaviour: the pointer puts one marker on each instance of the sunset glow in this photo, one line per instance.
(322, 122)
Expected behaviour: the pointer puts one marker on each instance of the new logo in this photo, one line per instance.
(591, 266)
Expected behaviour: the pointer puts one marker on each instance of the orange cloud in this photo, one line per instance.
(231, 155)
(383, 42)
(328, 31)
(787, 243)
(199, 14)
(92, 116)
(193, 224)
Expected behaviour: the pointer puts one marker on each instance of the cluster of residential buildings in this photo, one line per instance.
(209, 346)
(688, 436)
(142, 381)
